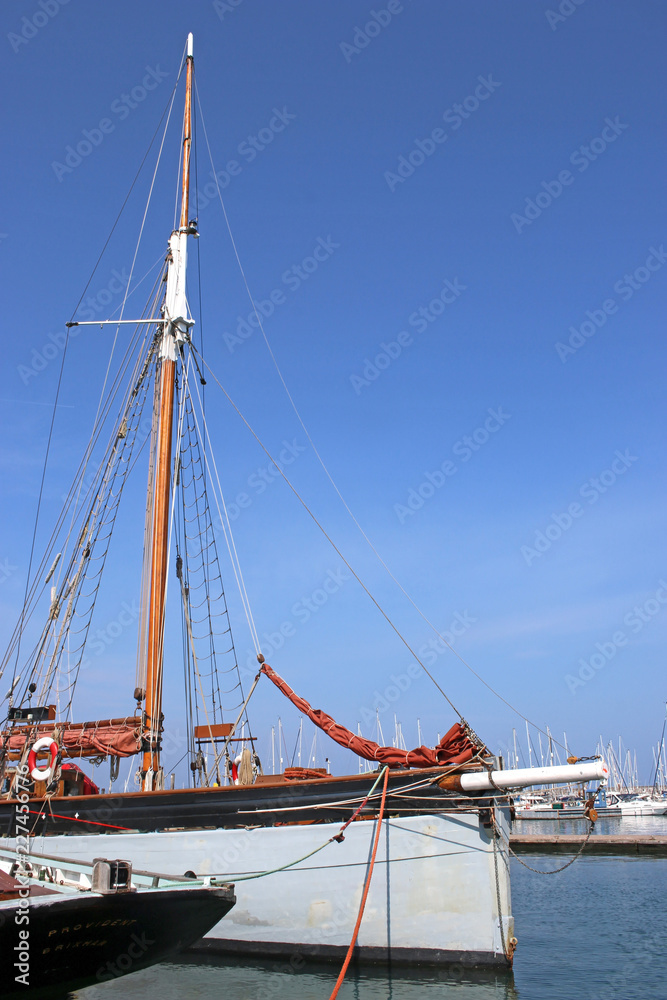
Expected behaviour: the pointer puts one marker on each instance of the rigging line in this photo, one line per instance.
(229, 229)
(126, 414)
(195, 145)
(127, 196)
(139, 362)
(79, 477)
(199, 564)
(296, 743)
(180, 150)
(282, 733)
(233, 553)
(132, 266)
(660, 746)
(324, 467)
(229, 539)
(113, 485)
(331, 541)
(235, 725)
(253, 631)
(103, 520)
(231, 544)
(188, 648)
(244, 876)
(39, 505)
(245, 281)
(31, 596)
(97, 414)
(160, 260)
(148, 202)
(21, 623)
(205, 561)
(75, 587)
(196, 666)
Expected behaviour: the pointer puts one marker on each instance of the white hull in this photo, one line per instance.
(643, 808)
(433, 896)
(562, 814)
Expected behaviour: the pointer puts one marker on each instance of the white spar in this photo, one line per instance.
(523, 777)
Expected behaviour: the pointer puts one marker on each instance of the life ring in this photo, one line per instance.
(235, 769)
(37, 773)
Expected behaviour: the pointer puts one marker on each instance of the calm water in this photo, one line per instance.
(595, 932)
(644, 825)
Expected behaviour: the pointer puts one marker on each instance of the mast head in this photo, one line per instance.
(190, 46)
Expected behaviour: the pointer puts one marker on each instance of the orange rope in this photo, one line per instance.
(341, 976)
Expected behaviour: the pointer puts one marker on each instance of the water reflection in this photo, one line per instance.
(206, 978)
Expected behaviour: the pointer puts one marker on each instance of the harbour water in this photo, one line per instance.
(640, 826)
(593, 932)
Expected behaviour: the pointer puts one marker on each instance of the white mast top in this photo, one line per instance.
(175, 307)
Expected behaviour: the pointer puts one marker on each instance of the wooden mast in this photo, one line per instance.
(187, 138)
(173, 333)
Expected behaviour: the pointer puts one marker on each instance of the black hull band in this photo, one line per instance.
(324, 801)
(295, 954)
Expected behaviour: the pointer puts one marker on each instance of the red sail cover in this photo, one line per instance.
(120, 737)
(455, 747)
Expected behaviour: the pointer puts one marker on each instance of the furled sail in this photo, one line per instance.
(454, 748)
(119, 737)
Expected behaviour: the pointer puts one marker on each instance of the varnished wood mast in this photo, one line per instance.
(160, 539)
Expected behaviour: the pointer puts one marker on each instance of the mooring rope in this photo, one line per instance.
(362, 906)
(338, 837)
(554, 871)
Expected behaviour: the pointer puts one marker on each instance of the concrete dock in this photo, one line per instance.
(603, 843)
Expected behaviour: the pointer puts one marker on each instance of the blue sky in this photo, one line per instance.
(477, 354)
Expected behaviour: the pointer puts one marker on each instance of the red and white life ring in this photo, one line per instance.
(235, 770)
(38, 773)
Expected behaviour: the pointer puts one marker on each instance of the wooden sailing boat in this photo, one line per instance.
(443, 893)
